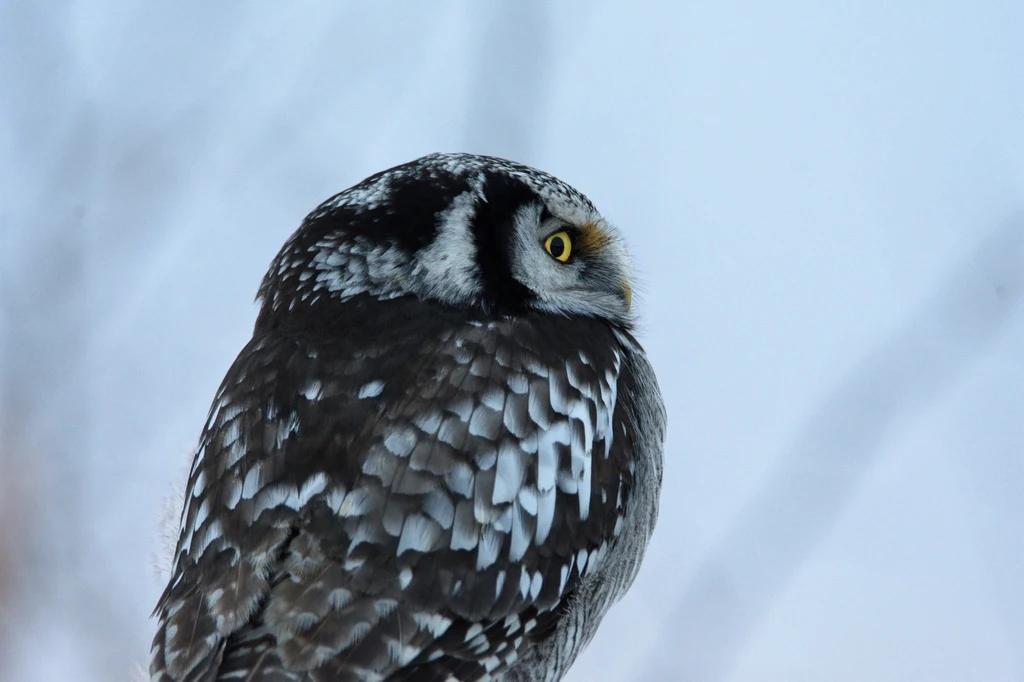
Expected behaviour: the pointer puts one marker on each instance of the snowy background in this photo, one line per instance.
(823, 200)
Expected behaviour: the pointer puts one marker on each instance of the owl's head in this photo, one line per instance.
(472, 232)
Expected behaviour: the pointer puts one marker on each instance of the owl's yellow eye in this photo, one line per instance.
(559, 245)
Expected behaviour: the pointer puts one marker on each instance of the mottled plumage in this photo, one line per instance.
(438, 458)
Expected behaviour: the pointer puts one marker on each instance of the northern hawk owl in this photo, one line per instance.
(440, 455)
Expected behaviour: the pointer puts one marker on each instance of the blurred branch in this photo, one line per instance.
(819, 473)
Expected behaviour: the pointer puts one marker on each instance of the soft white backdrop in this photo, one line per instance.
(822, 200)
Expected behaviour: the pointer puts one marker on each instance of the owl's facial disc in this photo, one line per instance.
(573, 265)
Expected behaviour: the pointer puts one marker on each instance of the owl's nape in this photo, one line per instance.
(438, 457)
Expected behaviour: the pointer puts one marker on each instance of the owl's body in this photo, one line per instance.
(438, 458)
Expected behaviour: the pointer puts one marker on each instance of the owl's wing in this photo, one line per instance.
(626, 474)
(413, 501)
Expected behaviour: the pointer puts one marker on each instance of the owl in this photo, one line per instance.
(440, 455)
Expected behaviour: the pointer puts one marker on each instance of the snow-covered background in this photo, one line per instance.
(823, 200)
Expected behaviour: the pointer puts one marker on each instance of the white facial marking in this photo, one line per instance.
(447, 268)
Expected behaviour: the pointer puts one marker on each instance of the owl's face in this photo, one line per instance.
(466, 231)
